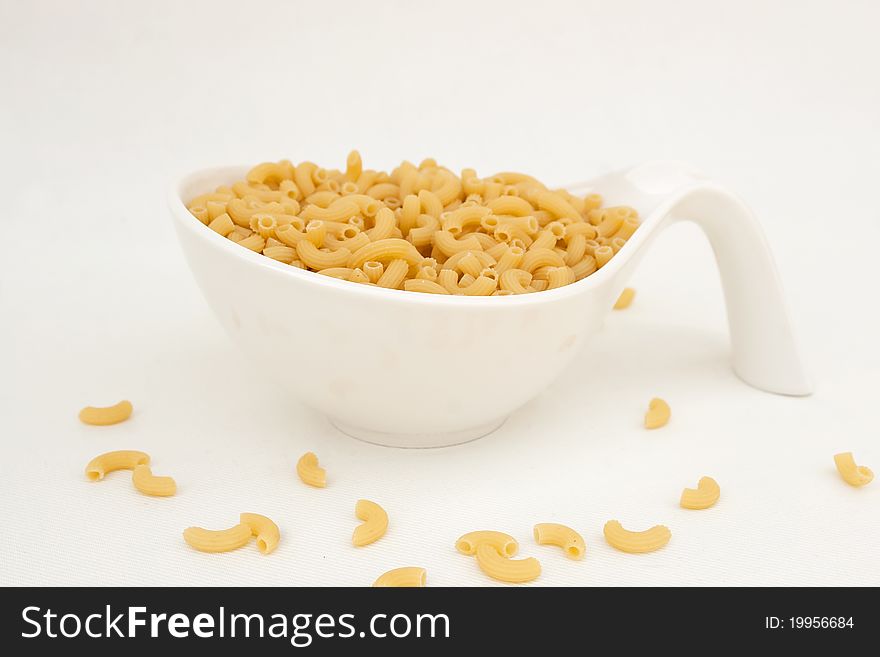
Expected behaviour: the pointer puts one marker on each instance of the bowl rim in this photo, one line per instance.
(188, 222)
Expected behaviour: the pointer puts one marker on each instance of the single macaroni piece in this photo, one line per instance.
(374, 526)
(126, 459)
(410, 576)
(324, 220)
(625, 298)
(224, 540)
(550, 533)
(103, 416)
(854, 475)
(658, 414)
(149, 484)
(636, 542)
(265, 530)
(504, 569)
(503, 543)
(310, 472)
(703, 496)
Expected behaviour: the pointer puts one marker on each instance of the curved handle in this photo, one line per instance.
(765, 353)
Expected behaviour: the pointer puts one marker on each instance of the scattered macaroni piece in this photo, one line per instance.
(703, 496)
(224, 540)
(506, 570)
(374, 525)
(310, 472)
(550, 533)
(625, 298)
(149, 484)
(854, 475)
(119, 460)
(410, 576)
(504, 543)
(658, 414)
(103, 416)
(418, 228)
(636, 542)
(265, 530)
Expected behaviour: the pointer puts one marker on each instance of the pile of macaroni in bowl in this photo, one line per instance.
(419, 228)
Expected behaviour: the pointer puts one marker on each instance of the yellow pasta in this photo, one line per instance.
(503, 543)
(505, 569)
(572, 543)
(118, 460)
(374, 525)
(103, 416)
(636, 542)
(264, 529)
(703, 496)
(658, 414)
(417, 212)
(625, 298)
(854, 475)
(410, 576)
(225, 540)
(310, 472)
(149, 484)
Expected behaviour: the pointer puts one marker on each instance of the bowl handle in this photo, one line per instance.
(764, 349)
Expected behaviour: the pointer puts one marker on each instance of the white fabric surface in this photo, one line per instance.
(102, 103)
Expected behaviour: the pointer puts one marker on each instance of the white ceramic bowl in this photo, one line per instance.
(416, 370)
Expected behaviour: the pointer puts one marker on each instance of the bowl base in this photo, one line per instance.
(418, 440)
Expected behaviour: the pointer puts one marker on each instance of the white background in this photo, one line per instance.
(104, 103)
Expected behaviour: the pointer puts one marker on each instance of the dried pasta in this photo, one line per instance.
(224, 540)
(374, 525)
(854, 475)
(264, 529)
(326, 220)
(310, 472)
(103, 416)
(503, 543)
(636, 542)
(703, 496)
(118, 460)
(409, 576)
(505, 569)
(551, 533)
(658, 414)
(625, 298)
(149, 484)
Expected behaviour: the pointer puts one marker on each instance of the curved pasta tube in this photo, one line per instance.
(551, 533)
(386, 250)
(310, 472)
(409, 576)
(506, 570)
(264, 529)
(224, 540)
(658, 414)
(374, 526)
(625, 298)
(505, 544)
(126, 459)
(854, 475)
(703, 496)
(636, 542)
(149, 484)
(103, 416)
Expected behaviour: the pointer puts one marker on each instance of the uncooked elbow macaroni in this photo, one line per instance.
(106, 415)
(505, 569)
(149, 484)
(625, 298)
(854, 475)
(636, 542)
(358, 219)
(374, 525)
(224, 540)
(310, 472)
(264, 529)
(119, 460)
(658, 414)
(703, 496)
(551, 533)
(409, 576)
